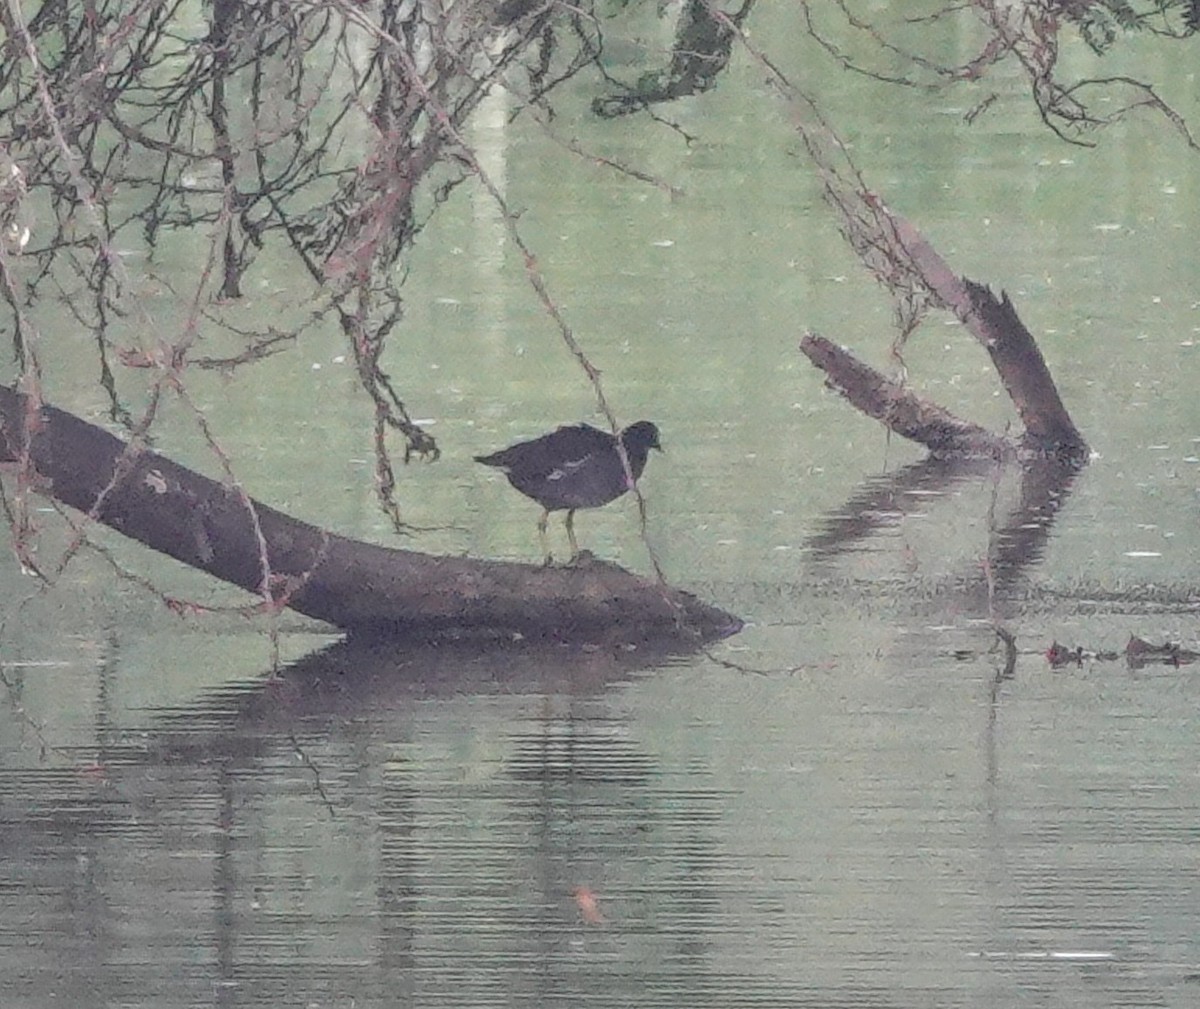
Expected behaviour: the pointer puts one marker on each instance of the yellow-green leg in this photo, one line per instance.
(571, 533)
(542, 522)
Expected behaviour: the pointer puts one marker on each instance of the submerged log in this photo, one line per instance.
(354, 585)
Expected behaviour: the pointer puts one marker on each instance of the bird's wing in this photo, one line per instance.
(568, 468)
(566, 447)
(581, 439)
(571, 446)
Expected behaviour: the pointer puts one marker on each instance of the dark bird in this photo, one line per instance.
(574, 467)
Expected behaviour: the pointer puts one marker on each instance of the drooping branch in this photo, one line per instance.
(315, 133)
(703, 44)
(885, 47)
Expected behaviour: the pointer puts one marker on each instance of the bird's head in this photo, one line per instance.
(641, 436)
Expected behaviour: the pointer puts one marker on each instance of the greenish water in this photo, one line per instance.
(844, 805)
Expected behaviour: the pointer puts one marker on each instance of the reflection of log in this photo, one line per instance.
(1017, 543)
(884, 500)
(351, 584)
(899, 408)
(357, 679)
(1021, 540)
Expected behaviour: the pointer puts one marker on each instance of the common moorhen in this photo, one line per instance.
(577, 466)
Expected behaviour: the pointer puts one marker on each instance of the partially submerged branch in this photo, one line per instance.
(995, 324)
(354, 585)
(904, 262)
(703, 44)
(902, 258)
(898, 407)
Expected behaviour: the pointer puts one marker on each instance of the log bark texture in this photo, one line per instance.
(354, 585)
(1049, 431)
(1014, 352)
(902, 410)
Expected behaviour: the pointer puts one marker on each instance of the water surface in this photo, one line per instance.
(849, 804)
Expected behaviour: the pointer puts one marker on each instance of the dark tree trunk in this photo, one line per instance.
(354, 585)
(1022, 369)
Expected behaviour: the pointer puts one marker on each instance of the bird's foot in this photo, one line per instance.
(582, 558)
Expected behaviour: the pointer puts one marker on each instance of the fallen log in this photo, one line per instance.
(354, 585)
(1014, 352)
(897, 406)
(993, 321)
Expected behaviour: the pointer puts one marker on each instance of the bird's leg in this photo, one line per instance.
(571, 533)
(542, 522)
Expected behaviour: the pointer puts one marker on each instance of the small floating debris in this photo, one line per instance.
(1060, 655)
(588, 904)
(1138, 653)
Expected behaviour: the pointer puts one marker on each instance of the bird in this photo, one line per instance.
(575, 466)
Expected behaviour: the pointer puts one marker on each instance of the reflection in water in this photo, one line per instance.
(440, 828)
(1018, 539)
(890, 826)
(366, 829)
(884, 499)
(1022, 536)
